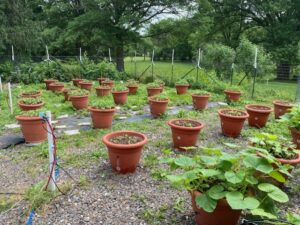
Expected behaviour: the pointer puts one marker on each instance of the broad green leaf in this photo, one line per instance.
(216, 192)
(251, 203)
(258, 163)
(237, 201)
(175, 178)
(251, 180)
(191, 175)
(206, 203)
(262, 213)
(293, 218)
(274, 192)
(209, 172)
(234, 178)
(209, 160)
(277, 176)
(184, 162)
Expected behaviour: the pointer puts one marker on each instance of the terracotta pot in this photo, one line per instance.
(233, 95)
(79, 102)
(222, 215)
(108, 83)
(232, 125)
(185, 136)
(55, 87)
(154, 91)
(292, 162)
(50, 81)
(26, 107)
(101, 79)
(200, 101)
(124, 158)
(181, 88)
(86, 85)
(76, 82)
(25, 95)
(296, 137)
(258, 115)
(34, 129)
(281, 108)
(133, 89)
(66, 94)
(103, 90)
(102, 118)
(158, 108)
(120, 97)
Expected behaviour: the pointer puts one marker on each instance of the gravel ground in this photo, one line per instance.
(107, 197)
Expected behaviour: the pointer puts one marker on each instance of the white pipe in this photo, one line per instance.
(199, 57)
(232, 66)
(1, 88)
(153, 56)
(109, 55)
(51, 152)
(12, 53)
(10, 98)
(47, 53)
(80, 57)
(173, 54)
(255, 58)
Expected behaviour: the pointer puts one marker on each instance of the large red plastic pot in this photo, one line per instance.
(102, 118)
(232, 125)
(103, 90)
(222, 215)
(281, 108)
(296, 137)
(120, 97)
(158, 107)
(258, 115)
(154, 91)
(108, 83)
(233, 95)
(185, 136)
(34, 129)
(76, 82)
(101, 79)
(133, 89)
(48, 82)
(181, 88)
(124, 158)
(79, 102)
(200, 101)
(31, 95)
(86, 85)
(26, 107)
(56, 87)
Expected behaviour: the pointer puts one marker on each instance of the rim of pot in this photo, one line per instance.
(171, 124)
(249, 107)
(244, 116)
(232, 91)
(78, 96)
(277, 102)
(27, 118)
(203, 95)
(108, 143)
(151, 98)
(120, 92)
(103, 87)
(22, 104)
(94, 109)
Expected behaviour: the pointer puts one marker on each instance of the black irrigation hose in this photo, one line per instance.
(265, 222)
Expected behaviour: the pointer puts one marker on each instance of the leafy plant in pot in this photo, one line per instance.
(31, 94)
(56, 87)
(233, 93)
(108, 82)
(154, 88)
(232, 121)
(66, 92)
(281, 108)
(85, 84)
(33, 127)
(76, 81)
(182, 86)
(79, 98)
(101, 79)
(292, 119)
(48, 82)
(124, 149)
(158, 104)
(223, 185)
(258, 115)
(200, 100)
(185, 133)
(102, 112)
(120, 94)
(133, 86)
(27, 104)
(103, 90)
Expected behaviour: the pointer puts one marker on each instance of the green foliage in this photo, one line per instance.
(182, 82)
(120, 87)
(219, 175)
(292, 119)
(78, 92)
(103, 103)
(132, 82)
(31, 101)
(201, 92)
(160, 97)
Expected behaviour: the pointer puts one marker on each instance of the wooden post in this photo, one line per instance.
(80, 56)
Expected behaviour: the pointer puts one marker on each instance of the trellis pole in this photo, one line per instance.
(10, 98)
(255, 71)
(1, 88)
(47, 54)
(172, 71)
(51, 152)
(109, 55)
(198, 64)
(232, 73)
(12, 53)
(135, 69)
(80, 55)
(152, 65)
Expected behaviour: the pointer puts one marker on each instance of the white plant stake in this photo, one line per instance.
(80, 57)
(255, 58)
(1, 88)
(10, 98)
(12, 53)
(173, 53)
(47, 53)
(152, 57)
(51, 152)
(109, 55)
(199, 58)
